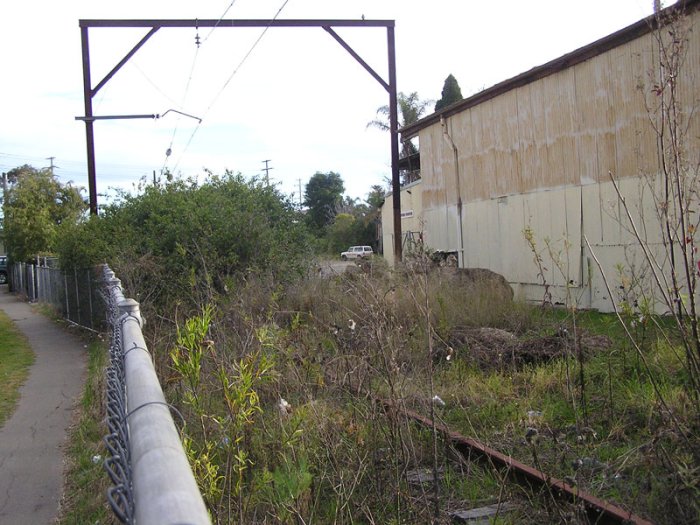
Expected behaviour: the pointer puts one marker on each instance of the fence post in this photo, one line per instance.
(37, 286)
(30, 283)
(65, 291)
(89, 286)
(77, 294)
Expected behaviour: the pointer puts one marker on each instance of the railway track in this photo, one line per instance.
(599, 511)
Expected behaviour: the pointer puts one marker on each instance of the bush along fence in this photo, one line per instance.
(153, 481)
(74, 294)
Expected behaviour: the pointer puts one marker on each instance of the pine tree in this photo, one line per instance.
(450, 93)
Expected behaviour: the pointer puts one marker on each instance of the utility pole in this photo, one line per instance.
(299, 194)
(4, 191)
(51, 166)
(267, 169)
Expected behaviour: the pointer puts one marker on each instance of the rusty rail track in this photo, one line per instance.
(598, 510)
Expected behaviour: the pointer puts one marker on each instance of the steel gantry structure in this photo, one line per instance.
(153, 26)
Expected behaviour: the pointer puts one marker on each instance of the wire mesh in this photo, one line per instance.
(117, 465)
(73, 294)
(93, 298)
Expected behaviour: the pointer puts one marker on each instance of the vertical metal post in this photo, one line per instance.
(56, 282)
(65, 290)
(89, 131)
(31, 289)
(39, 277)
(394, 132)
(77, 294)
(89, 286)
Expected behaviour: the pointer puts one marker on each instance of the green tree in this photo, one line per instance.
(375, 198)
(188, 236)
(451, 93)
(37, 206)
(323, 195)
(356, 222)
(342, 233)
(411, 108)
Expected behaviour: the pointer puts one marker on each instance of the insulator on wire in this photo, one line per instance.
(197, 40)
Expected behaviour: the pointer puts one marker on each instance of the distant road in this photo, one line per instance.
(332, 267)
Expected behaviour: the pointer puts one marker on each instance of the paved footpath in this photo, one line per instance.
(31, 441)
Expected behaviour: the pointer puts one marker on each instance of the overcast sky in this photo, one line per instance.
(299, 99)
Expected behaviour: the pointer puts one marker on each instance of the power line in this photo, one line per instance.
(152, 83)
(182, 104)
(235, 71)
(70, 168)
(219, 21)
(255, 44)
(198, 43)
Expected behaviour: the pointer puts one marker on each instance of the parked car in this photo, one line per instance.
(357, 252)
(3, 269)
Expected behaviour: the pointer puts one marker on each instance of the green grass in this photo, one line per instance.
(625, 445)
(84, 499)
(15, 359)
(624, 427)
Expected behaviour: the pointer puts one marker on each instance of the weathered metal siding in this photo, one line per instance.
(411, 227)
(560, 129)
(540, 156)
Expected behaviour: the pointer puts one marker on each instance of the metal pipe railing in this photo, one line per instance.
(161, 482)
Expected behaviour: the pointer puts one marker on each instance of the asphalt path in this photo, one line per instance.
(32, 440)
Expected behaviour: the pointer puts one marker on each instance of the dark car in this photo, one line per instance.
(3, 269)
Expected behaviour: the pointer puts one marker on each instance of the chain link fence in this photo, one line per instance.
(152, 481)
(73, 294)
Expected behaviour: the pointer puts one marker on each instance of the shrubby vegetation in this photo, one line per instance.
(185, 241)
(279, 384)
(37, 207)
(338, 222)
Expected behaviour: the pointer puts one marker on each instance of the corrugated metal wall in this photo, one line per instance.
(539, 157)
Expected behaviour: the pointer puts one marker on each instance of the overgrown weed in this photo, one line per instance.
(317, 447)
(84, 499)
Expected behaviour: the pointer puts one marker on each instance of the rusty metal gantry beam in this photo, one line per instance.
(154, 25)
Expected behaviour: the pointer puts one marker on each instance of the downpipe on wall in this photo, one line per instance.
(455, 152)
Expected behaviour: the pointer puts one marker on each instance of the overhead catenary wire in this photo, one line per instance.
(153, 84)
(228, 81)
(184, 99)
(181, 106)
(198, 42)
(219, 21)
